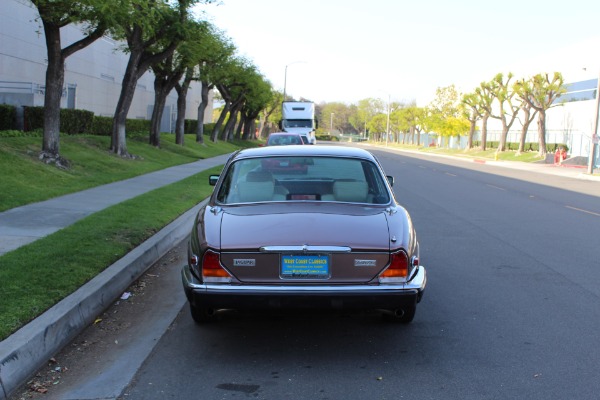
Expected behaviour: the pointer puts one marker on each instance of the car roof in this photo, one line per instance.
(305, 151)
(284, 134)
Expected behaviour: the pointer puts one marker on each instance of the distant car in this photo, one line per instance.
(284, 139)
(306, 139)
(333, 237)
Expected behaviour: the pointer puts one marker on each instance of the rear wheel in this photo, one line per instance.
(202, 315)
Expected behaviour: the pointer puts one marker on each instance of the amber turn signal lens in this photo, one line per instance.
(398, 266)
(211, 266)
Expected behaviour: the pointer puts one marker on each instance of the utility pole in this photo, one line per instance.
(594, 139)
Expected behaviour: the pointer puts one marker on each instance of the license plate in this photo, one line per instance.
(305, 266)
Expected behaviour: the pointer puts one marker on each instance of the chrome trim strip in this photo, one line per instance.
(417, 283)
(306, 249)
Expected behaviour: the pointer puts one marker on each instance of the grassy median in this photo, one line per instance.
(35, 277)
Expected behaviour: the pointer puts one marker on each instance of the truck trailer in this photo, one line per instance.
(299, 117)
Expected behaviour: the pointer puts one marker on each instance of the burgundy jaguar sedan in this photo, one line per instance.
(330, 237)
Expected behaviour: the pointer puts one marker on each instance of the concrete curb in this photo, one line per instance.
(28, 349)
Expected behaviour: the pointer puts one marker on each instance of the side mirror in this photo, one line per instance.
(280, 125)
(212, 180)
(390, 180)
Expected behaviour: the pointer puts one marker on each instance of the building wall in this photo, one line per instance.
(93, 75)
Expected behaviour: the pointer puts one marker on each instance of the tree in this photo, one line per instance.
(259, 98)
(445, 113)
(232, 86)
(414, 117)
(153, 29)
(271, 109)
(340, 120)
(541, 93)
(378, 125)
(473, 113)
(503, 92)
(528, 115)
(168, 74)
(486, 99)
(214, 49)
(55, 14)
(365, 111)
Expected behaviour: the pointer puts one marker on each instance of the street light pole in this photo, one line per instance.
(387, 129)
(285, 77)
(594, 141)
(331, 124)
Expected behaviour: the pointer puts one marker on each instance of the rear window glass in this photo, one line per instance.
(303, 179)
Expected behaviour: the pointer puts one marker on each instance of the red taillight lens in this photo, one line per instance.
(398, 267)
(211, 266)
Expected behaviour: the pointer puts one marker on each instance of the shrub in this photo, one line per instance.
(34, 118)
(101, 126)
(17, 133)
(74, 122)
(8, 116)
(137, 125)
(189, 126)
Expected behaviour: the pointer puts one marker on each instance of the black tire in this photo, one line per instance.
(202, 315)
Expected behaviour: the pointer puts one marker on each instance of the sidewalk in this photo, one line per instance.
(23, 225)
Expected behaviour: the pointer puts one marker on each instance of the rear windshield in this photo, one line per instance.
(283, 140)
(303, 179)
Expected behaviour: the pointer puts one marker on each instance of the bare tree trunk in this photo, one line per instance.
(228, 130)
(249, 128)
(137, 65)
(484, 131)
(201, 108)
(238, 130)
(118, 142)
(503, 136)
(528, 120)
(180, 122)
(471, 133)
(160, 98)
(542, 133)
(182, 90)
(261, 125)
(164, 82)
(55, 77)
(217, 128)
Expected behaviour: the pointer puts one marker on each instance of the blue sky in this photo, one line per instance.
(348, 50)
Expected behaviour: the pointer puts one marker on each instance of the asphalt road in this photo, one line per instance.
(510, 312)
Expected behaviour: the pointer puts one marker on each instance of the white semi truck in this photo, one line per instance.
(299, 117)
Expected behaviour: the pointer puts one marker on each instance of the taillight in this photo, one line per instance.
(397, 271)
(212, 271)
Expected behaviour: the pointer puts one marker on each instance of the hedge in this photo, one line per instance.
(8, 117)
(190, 126)
(529, 146)
(72, 121)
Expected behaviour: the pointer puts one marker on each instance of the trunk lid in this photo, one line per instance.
(243, 236)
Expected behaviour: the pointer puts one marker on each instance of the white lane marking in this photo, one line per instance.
(584, 211)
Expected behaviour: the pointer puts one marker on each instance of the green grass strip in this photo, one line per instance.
(35, 277)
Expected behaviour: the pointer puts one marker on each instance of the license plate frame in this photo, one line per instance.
(305, 266)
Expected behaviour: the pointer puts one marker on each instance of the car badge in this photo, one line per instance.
(244, 262)
(365, 263)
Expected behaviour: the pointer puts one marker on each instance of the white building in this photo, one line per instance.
(92, 76)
